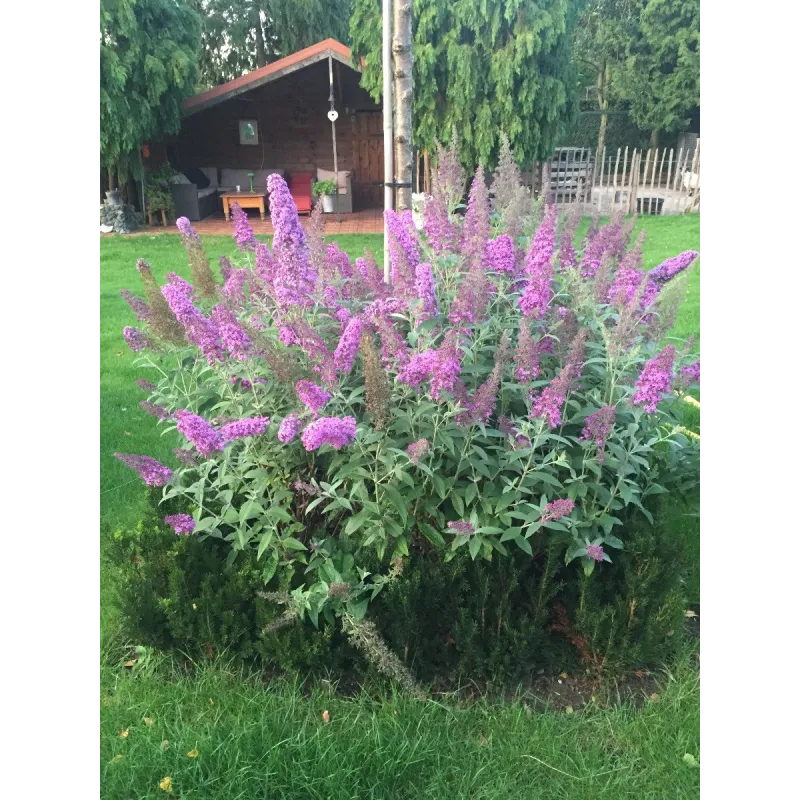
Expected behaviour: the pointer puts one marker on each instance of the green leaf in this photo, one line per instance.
(358, 608)
(469, 495)
(354, 523)
(432, 535)
(397, 502)
(475, 543)
(524, 545)
(290, 543)
(269, 568)
(266, 538)
(458, 503)
(511, 533)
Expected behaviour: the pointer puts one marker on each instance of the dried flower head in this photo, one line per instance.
(377, 392)
(202, 276)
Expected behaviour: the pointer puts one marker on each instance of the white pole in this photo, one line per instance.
(333, 131)
(388, 134)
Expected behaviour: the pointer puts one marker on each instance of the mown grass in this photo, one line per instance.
(257, 741)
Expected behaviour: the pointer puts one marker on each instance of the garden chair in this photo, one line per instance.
(300, 187)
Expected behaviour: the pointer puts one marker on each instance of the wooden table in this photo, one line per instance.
(245, 200)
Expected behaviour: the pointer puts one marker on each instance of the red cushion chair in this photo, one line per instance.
(300, 187)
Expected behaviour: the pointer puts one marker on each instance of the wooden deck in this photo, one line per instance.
(370, 221)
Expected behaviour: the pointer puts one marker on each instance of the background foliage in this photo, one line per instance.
(482, 68)
(148, 67)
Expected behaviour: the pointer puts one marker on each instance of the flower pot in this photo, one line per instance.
(113, 197)
(327, 203)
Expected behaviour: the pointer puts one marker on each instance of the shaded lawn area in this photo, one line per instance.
(254, 742)
(250, 741)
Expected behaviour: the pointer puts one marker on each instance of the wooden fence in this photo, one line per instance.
(655, 181)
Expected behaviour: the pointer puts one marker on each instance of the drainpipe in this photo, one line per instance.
(388, 134)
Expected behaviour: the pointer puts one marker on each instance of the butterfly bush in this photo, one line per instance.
(504, 393)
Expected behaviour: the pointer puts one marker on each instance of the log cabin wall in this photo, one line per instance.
(293, 129)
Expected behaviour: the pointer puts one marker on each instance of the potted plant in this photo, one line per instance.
(158, 194)
(325, 190)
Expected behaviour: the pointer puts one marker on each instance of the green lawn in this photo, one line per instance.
(270, 742)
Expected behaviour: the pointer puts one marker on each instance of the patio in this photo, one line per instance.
(367, 221)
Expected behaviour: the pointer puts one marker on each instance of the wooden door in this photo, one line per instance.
(368, 160)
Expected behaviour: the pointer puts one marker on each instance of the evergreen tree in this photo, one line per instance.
(242, 35)
(661, 76)
(603, 38)
(482, 68)
(148, 67)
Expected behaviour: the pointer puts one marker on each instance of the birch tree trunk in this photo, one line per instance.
(603, 79)
(402, 95)
(261, 46)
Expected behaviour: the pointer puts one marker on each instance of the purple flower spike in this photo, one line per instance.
(138, 306)
(345, 354)
(655, 380)
(145, 386)
(137, 340)
(198, 432)
(335, 431)
(557, 510)
(668, 269)
(539, 267)
(314, 397)
(242, 232)
(597, 428)
(182, 523)
(550, 402)
(595, 551)
(462, 527)
(186, 229)
(233, 335)
(498, 254)
(242, 428)
(416, 450)
(425, 287)
(152, 472)
(289, 428)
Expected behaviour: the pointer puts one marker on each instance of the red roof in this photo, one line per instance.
(262, 75)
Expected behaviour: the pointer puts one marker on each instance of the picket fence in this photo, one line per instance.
(652, 182)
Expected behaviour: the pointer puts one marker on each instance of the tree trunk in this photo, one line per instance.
(402, 95)
(603, 80)
(112, 179)
(426, 171)
(261, 48)
(654, 138)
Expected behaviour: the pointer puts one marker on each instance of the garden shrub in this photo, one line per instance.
(507, 397)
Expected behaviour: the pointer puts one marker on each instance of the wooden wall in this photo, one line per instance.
(294, 131)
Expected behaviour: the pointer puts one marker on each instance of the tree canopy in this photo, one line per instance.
(661, 75)
(483, 68)
(645, 53)
(242, 35)
(148, 66)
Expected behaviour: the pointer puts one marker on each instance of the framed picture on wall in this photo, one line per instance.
(248, 131)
